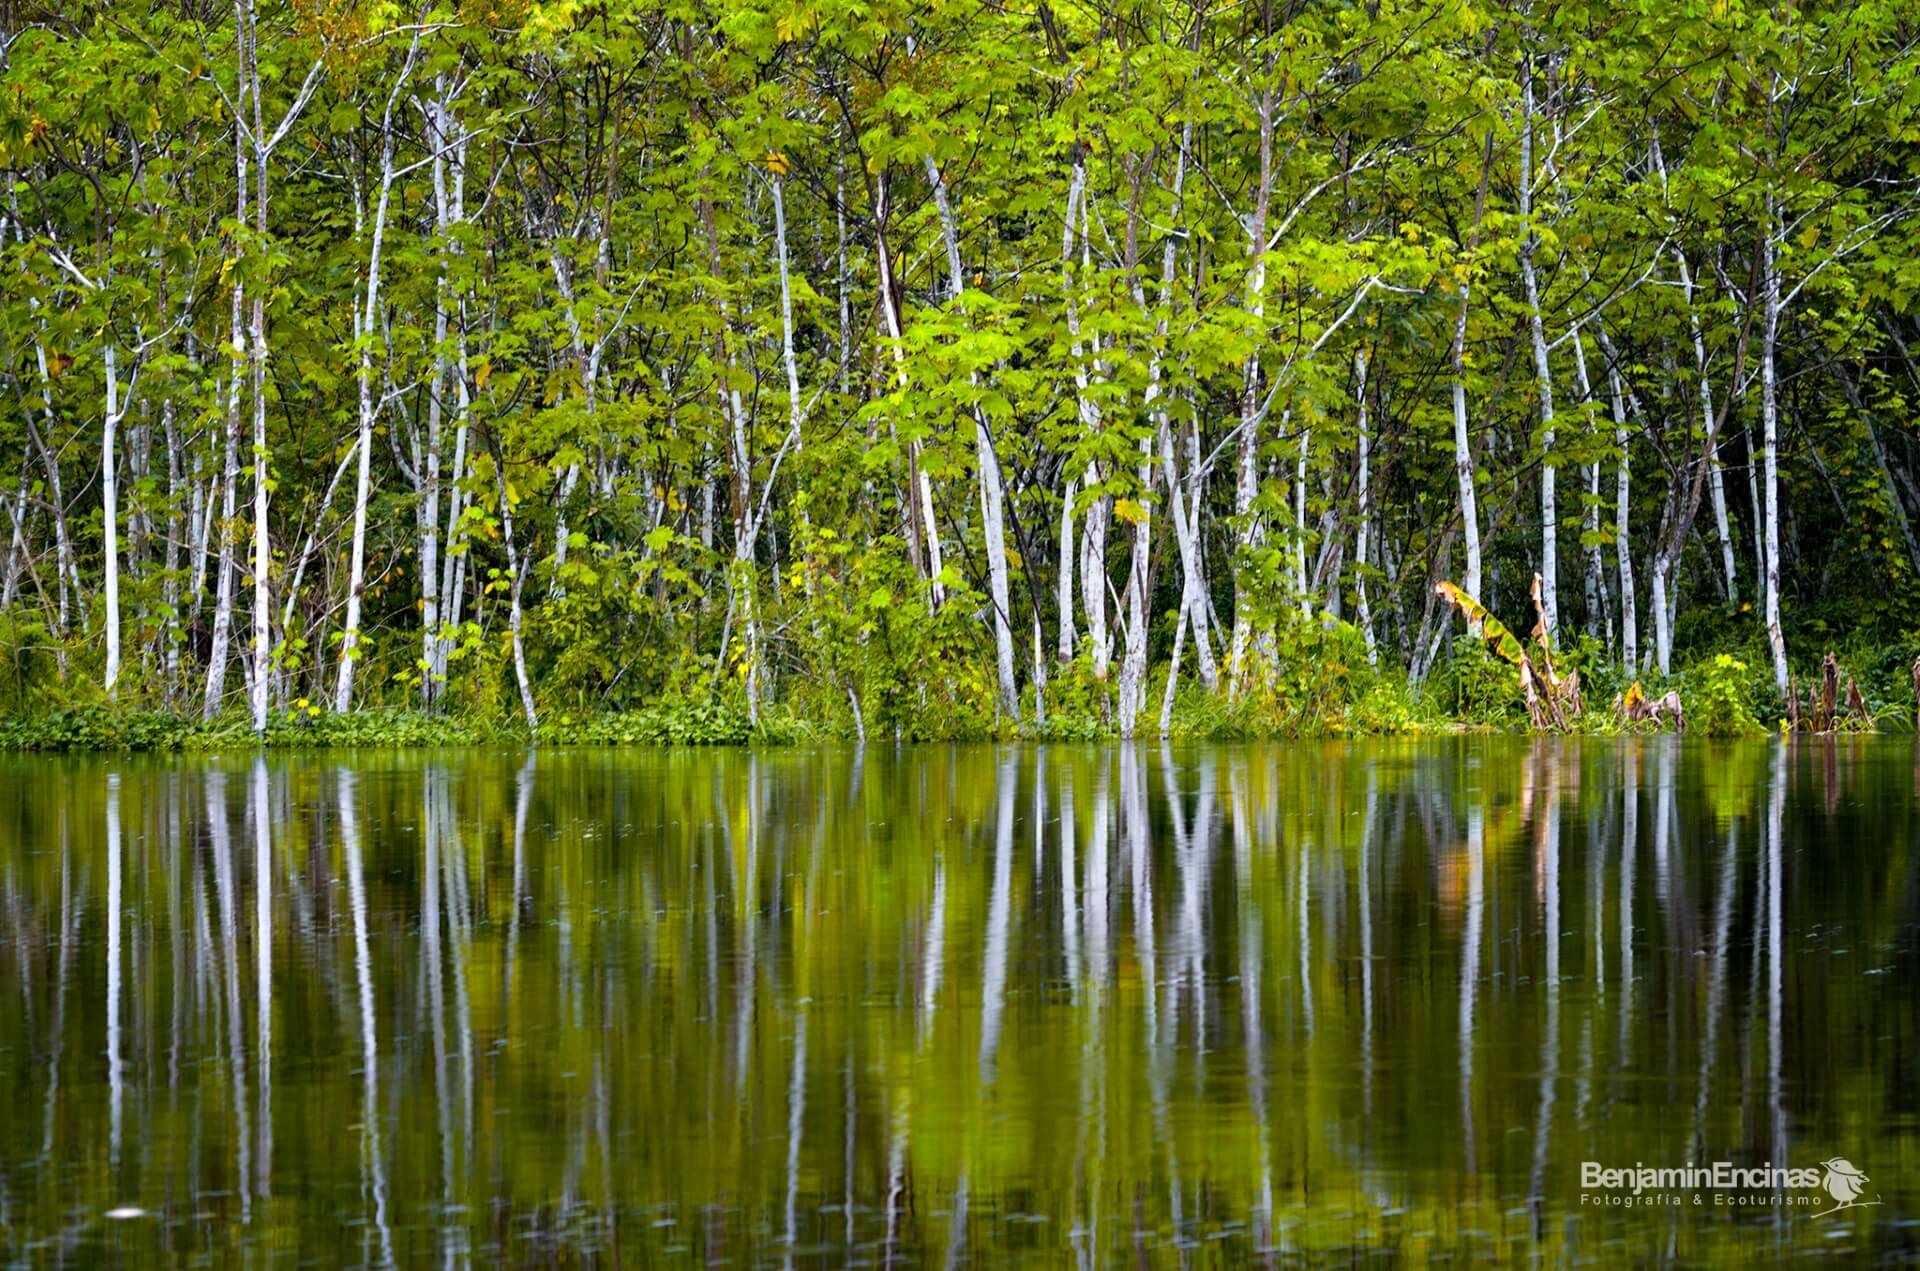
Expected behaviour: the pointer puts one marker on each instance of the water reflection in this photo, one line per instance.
(940, 1006)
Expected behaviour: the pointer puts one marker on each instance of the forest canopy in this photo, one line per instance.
(925, 368)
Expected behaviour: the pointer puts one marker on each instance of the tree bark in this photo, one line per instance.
(1770, 441)
(1542, 371)
(1365, 499)
(992, 491)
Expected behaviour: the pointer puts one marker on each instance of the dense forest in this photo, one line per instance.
(946, 368)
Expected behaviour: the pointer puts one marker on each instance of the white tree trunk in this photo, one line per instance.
(922, 485)
(1599, 602)
(1064, 582)
(170, 559)
(517, 574)
(1463, 452)
(230, 474)
(1542, 374)
(1623, 491)
(1247, 469)
(110, 512)
(257, 366)
(229, 485)
(364, 323)
(427, 507)
(1365, 510)
(1770, 445)
(1093, 574)
(992, 490)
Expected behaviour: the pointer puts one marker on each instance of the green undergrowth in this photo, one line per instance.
(1334, 692)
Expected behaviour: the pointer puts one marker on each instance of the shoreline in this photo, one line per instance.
(120, 730)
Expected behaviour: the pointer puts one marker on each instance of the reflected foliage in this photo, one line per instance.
(1060, 1005)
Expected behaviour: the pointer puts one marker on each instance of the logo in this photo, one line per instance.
(1846, 1185)
(1724, 1184)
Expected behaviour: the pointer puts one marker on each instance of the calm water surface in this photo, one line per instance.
(1063, 1006)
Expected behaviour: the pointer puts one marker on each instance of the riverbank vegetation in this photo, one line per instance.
(776, 369)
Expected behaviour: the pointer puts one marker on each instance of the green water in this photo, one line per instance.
(1057, 1006)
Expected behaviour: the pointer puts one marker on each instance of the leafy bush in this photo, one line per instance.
(708, 722)
(112, 728)
(1717, 699)
(1472, 685)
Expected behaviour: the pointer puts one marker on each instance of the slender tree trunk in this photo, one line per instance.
(66, 569)
(110, 512)
(1770, 443)
(992, 491)
(1462, 441)
(922, 486)
(230, 469)
(1247, 464)
(170, 557)
(1542, 371)
(427, 508)
(1064, 592)
(364, 325)
(1365, 510)
(517, 576)
(1599, 602)
(1083, 404)
(1623, 493)
(257, 375)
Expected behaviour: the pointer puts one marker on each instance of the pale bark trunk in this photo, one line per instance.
(1065, 580)
(1302, 588)
(788, 360)
(1599, 602)
(1542, 372)
(742, 583)
(291, 595)
(1716, 481)
(66, 570)
(170, 556)
(450, 196)
(110, 513)
(1193, 602)
(1076, 190)
(1093, 574)
(1623, 491)
(1462, 441)
(1463, 451)
(230, 467)
(18, 554)
(1247, 475)
(257, 368)
(1770, 444)
(517, 576)
(922, 485)
(363, 338)
(1365, 511)
(427, 508)
(992, 491)
(1093, 530)
(1710, 429)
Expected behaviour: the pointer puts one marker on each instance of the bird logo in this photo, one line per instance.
(1845, 1184)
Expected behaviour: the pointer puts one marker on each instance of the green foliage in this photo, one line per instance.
(108, 728)
(709, 722)
(1474, 685)
(1716, 697)
(1079, 704)
(843, 308)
